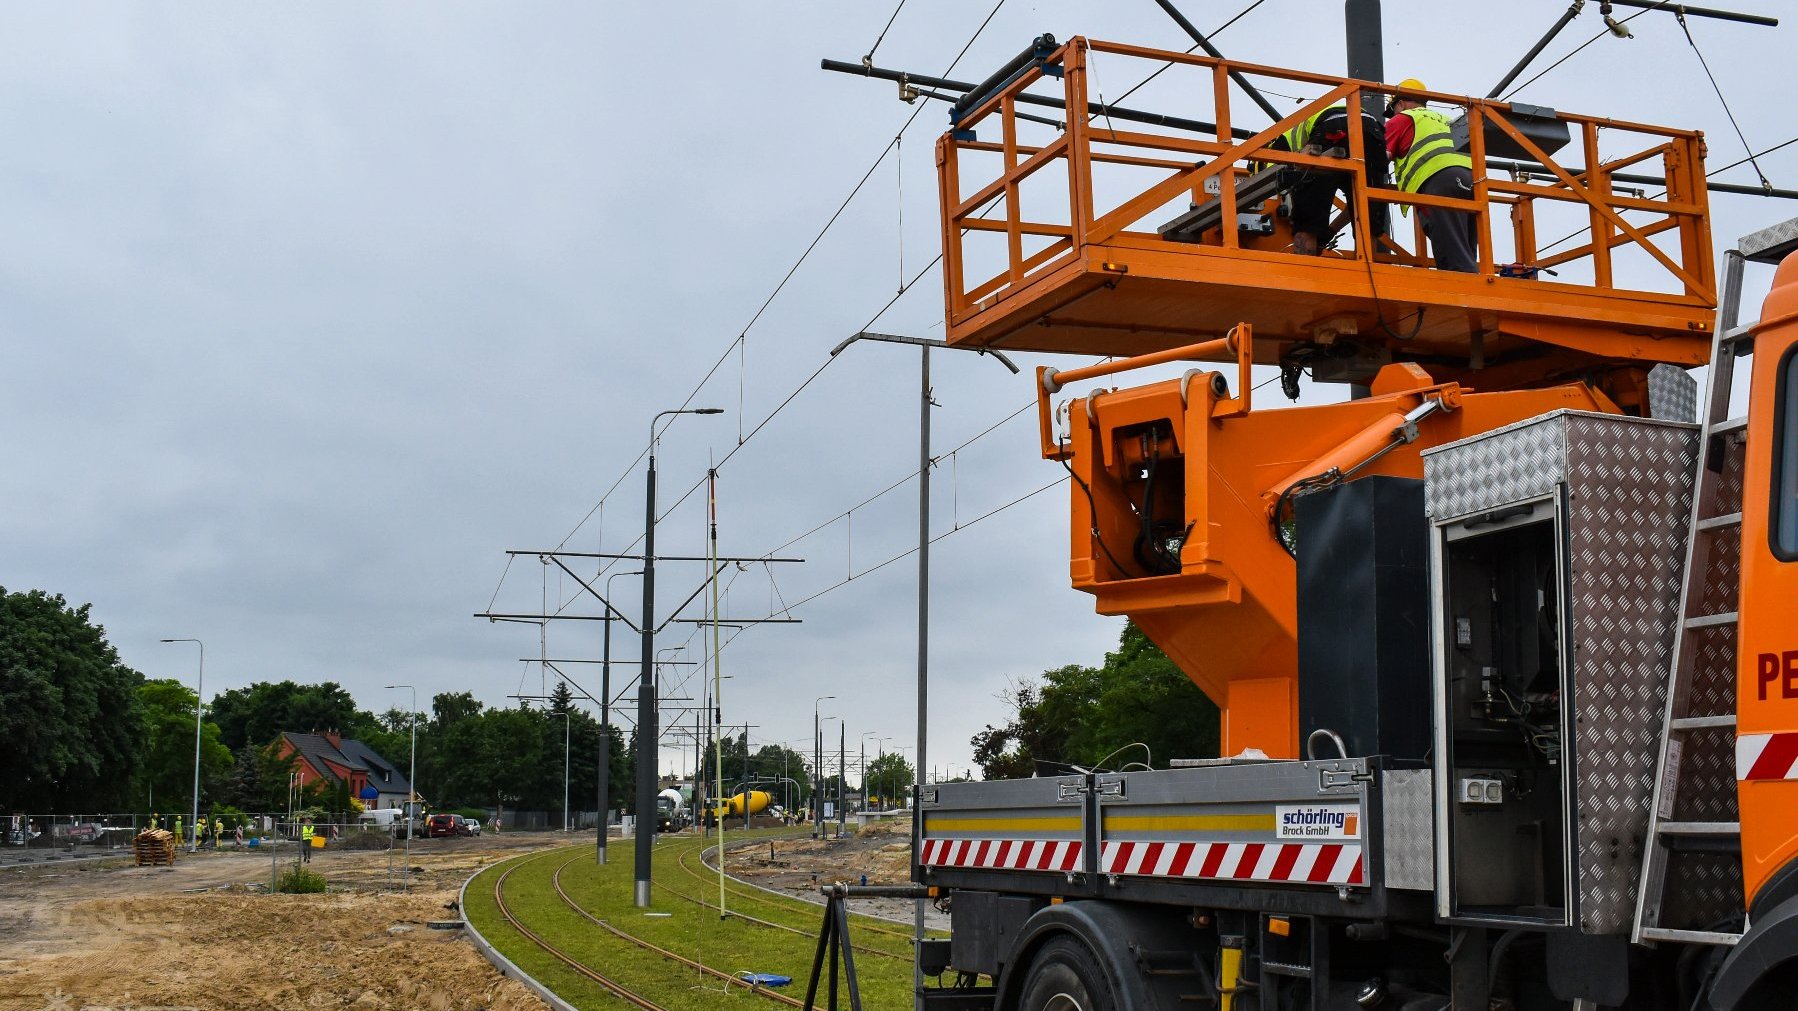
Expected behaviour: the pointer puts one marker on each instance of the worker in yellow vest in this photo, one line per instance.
(306, 841)
(1312, 192)
(1424, 160)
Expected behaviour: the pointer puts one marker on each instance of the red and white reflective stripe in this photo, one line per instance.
(1299, 863)
(1004, 854)
(1767, 756)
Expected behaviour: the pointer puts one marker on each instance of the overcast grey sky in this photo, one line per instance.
(314, 310)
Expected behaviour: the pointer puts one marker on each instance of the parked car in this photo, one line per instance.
(441, 826)
(473, 825)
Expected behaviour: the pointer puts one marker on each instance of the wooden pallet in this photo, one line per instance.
(154, 848)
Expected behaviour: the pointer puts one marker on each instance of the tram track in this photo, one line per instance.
(625, 992)
(580, 968)
(556, 882)
(735, 915)
(861, 924)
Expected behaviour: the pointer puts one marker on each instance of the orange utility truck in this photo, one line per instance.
(1505, 640)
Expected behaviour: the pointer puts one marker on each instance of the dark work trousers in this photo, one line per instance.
(1314, 190)
(1454, 235)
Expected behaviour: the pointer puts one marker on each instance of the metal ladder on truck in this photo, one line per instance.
(1691, 888)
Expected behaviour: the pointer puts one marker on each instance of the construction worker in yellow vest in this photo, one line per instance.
(1311, 191)
(306, 841)
(1424, 160)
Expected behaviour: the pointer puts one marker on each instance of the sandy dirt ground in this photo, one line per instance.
(881, 851)
(204, 934)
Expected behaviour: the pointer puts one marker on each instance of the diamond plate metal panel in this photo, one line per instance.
(1495, 469)
(1672, 394)
(1406, 810)
(1629, 490)
(1714, 672)
(1709, 893)
(1771, 244)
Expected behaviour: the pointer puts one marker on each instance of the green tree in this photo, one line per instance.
(889, 779)
(166, 767)
(260, 712)
(244, 789)
(69, 723)
(1087, 715)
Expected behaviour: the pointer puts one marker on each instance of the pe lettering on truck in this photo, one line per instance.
(1313, 822)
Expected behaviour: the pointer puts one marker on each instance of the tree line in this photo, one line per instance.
(1087, 716)
(81, 732)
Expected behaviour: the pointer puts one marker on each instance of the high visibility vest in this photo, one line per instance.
(1432, 150)
(1297, 137)
(306, 833)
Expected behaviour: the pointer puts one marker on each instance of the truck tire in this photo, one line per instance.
(1066, 976)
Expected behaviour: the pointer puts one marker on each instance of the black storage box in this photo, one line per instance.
(1364, 616)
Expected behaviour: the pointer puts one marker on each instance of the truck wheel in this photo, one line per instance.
(1065, 976)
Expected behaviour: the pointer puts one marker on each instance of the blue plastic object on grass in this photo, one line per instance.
(764, 979)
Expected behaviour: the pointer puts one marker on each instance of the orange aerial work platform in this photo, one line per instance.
(1060, 247)
(1150, 240)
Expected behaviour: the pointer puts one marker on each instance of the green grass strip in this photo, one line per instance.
(730, 945)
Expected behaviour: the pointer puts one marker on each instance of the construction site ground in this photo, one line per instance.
(206, 934)
(881, 852)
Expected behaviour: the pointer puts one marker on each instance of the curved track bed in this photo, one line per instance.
(544, 910)
(580, 968)
(768, 905)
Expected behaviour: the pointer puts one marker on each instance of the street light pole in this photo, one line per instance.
(411, 786)
(648, 726)
(924, 403)
(199, 706)
(818, 767)
(605, 722)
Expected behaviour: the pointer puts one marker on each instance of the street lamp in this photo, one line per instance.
(648, 725)
(880, 745)
(605, 721)
(864, 765)
(818, 767)
(924, 402)
(199, 704)
(411, 783)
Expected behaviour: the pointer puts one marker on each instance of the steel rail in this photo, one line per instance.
(556, 881)
(733, 914)
(769, 896)
(616, 988)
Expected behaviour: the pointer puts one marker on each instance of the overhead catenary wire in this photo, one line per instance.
(883, 33)
(1680, 15)
(1577, 50)
(1165, 67)
(908, 552)
(1734, 164)
(743, 332)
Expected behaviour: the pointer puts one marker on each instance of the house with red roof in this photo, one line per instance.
(332, 758)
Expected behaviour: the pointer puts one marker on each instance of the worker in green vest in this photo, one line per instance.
(1311, 192)
(180, 830)
(1421, 144)
(306, 841)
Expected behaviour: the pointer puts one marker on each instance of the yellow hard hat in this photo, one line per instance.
(1410, 83)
